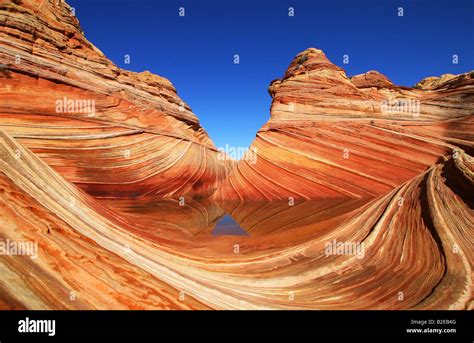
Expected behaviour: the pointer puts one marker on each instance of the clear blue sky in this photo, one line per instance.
(196, 51)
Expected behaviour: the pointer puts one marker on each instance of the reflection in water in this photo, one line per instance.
(206, 218)
(329, 254)
(286, 251)
(227, 226)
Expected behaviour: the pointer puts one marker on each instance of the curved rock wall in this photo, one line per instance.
(330, 136)
(114, 132)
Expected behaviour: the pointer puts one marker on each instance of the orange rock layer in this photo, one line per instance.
(108, 130)
(408, 240)
(88, 187)
(330, 136)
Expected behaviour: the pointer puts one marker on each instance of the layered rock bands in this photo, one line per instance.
(95, 163)
(110, 131)
(332, 136)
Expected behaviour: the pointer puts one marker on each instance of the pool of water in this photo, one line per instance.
(207, 218)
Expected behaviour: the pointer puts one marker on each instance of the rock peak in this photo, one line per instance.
(435, 82)
(371, 79)
(309, 60)
(137, 110)
(312, 51)
(311, 65)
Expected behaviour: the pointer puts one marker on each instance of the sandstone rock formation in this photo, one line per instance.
(330, 136)
(108, 130)
(400, 254)
(433, 82)
(390, 168)
(71, 271)
(371, 79)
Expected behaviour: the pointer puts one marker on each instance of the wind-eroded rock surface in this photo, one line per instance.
(389, 167)
(332, 136)
(401, 253)
(108, 130)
